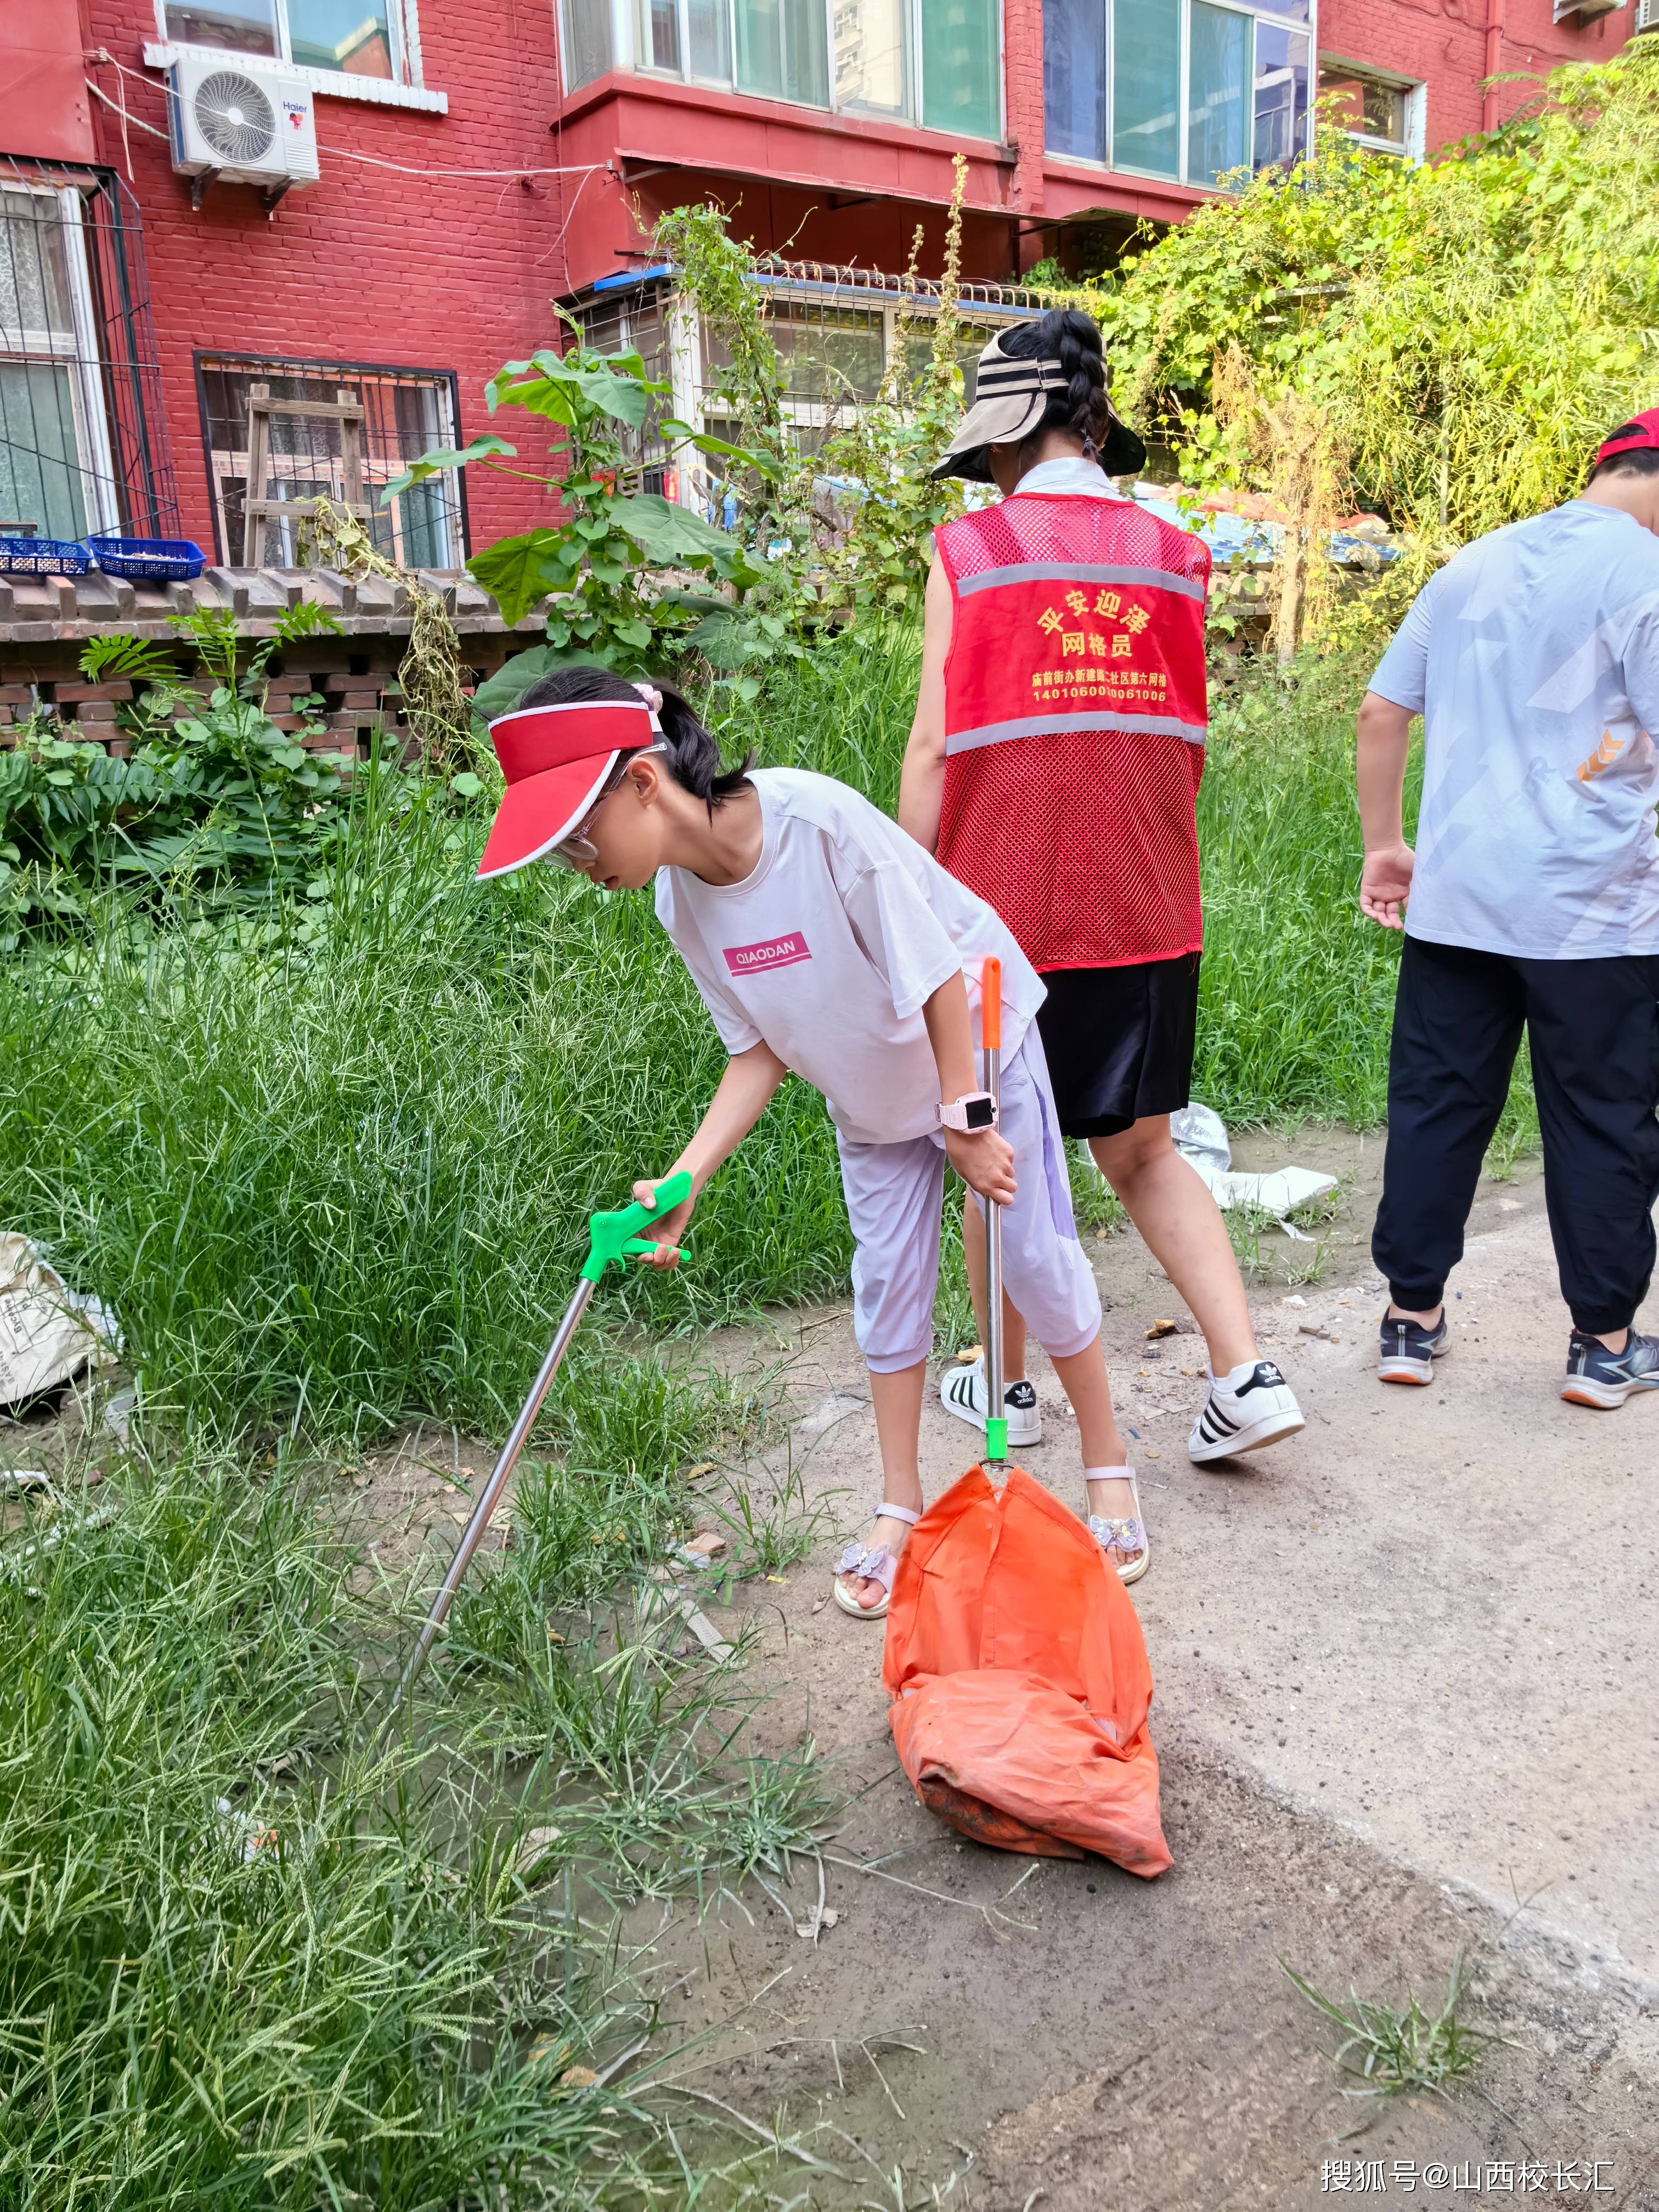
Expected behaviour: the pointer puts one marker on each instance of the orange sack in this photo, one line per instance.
(1019, 1679)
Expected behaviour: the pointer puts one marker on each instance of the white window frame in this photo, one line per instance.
(78, 358)
(1112, 166)
(405, 89)
(1410, 148)
(624, 58)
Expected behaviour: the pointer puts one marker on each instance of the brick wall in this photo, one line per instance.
(422, 273)
(1443, 44)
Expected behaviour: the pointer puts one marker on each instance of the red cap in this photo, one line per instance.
(556, 760)
(1639, 435)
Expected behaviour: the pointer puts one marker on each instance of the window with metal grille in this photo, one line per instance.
(82, 440)
(407, 411)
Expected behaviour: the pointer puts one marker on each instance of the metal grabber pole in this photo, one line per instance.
(990, 1030)
(609, 1235)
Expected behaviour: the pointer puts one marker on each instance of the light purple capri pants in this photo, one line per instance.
(895, 1201)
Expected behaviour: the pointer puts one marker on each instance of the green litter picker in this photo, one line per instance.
(610, 1236)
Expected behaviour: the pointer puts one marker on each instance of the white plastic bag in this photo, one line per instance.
(47, 1332)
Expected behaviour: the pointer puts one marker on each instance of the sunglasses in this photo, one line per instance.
(578, 850)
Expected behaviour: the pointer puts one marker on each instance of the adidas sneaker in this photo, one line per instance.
(963, 1392)
(1251, 1406)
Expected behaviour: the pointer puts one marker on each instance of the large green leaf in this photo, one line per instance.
(568, 391)
(445, 457)
(673, 537)
(501, 693)
(514, 571)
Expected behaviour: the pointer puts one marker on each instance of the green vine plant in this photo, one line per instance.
(435, 703)
(717, 280)
(1457, 333)
(878, 562)
(628, 576)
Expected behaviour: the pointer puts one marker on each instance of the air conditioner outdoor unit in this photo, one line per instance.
(1647, 15)
(239, 126)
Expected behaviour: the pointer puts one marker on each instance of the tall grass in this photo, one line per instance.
(249, 1957)
(344, 1174)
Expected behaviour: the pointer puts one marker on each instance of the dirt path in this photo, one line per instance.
(1405, 1674)
(1388, 1713)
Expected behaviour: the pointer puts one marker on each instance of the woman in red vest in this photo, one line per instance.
(1053, 766)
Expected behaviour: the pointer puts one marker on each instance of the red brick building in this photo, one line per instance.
(474, 163)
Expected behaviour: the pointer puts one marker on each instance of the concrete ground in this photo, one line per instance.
(1404, 1708)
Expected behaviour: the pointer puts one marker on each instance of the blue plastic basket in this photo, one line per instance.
(149, 560)
(43, 557)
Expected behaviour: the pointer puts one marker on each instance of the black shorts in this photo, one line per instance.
(1118, 1042)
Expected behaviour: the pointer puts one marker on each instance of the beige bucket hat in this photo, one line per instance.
(1010, 397)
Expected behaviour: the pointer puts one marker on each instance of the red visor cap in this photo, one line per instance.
(1640, 434)
(556, 760)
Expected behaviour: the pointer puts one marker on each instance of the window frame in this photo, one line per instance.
(1409, 148)
(445, 382)
(1255, 14)
(624, 15)
(402, 22)
(80, 360)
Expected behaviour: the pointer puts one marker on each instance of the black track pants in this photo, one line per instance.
(1593, 1026)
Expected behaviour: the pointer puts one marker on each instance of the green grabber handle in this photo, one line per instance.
(612, 1235)
(609, 1235)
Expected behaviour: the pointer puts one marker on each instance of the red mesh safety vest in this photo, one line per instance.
(1075, 717)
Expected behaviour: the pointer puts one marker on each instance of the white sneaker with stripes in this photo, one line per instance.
(965, 1392)
(1251, 1406)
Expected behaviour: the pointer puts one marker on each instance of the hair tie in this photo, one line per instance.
(653, 699)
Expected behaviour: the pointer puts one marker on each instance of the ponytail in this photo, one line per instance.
(694, 754)
(1071, 338)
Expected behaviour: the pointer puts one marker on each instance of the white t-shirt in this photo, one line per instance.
(829, 949)
(1534, 659)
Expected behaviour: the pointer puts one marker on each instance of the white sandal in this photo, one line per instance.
(875, 1563)
(1128, 1536)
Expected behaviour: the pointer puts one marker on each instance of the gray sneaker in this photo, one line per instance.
(1596, 1377)
(1409, 1350)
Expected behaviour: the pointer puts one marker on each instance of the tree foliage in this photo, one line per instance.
(1469, 328)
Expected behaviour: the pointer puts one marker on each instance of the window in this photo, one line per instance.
(1186, 89)
(1218, 136)
(937, 63)
(1281, 97)
(961, 67)
(406, 412)
(1077, 95)
(357, 37)
(873, 55)
(1146, 86)
(1382, 113)
(782, 49)
(56, 474)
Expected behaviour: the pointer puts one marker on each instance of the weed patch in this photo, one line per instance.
(341, 1173)
(249, 1955)
(1388, 2050)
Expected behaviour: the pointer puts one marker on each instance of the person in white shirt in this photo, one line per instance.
(826, 943)
(1531, 900)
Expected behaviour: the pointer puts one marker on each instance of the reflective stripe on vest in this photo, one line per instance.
(1047, 726)
(1078, 572)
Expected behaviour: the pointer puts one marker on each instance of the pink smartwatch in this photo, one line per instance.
(974, 1109)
